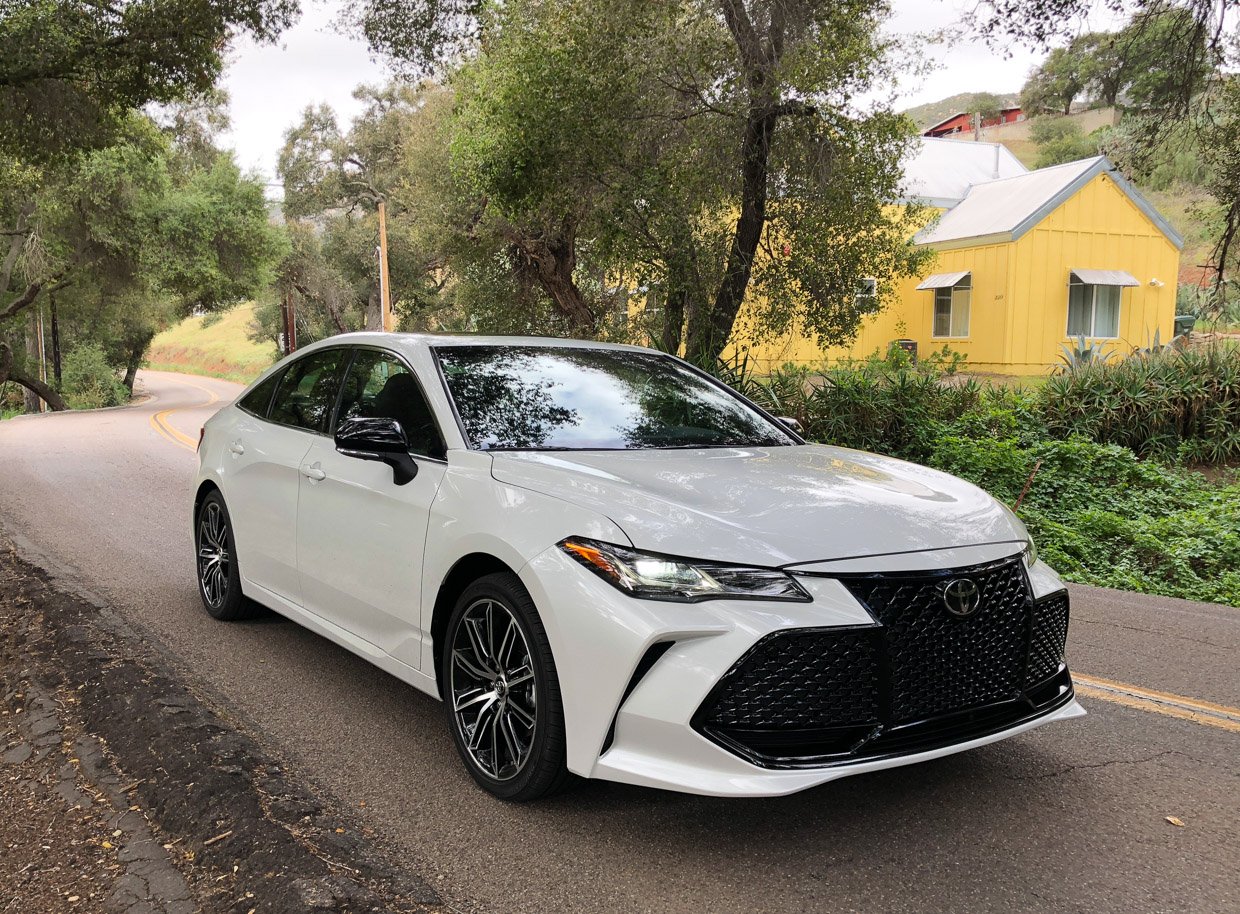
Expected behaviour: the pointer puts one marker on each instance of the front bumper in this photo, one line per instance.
(641, 681)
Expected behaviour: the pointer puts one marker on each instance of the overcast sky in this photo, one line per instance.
(269, 86)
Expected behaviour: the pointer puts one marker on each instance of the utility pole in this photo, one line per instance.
(289, 312)
(385, 291)
(42, 355)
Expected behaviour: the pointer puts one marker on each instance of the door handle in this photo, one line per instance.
(314, 472)
(237, 448)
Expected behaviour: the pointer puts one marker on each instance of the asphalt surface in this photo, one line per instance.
(1071, 817)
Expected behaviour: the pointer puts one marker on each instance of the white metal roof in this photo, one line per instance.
(999, 207)
(942, 280)
(941, 172)
(1105, 277)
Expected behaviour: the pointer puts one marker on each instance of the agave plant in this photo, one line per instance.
(1083, 353)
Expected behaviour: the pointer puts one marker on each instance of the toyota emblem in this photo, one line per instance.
(962, 597)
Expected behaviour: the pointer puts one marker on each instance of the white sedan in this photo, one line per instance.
(609, 564)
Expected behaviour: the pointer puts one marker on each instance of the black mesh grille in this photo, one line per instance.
(940, 662)
(919, 677)
(802, 681)
(1050, 635)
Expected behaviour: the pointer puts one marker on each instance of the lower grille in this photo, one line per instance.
(920, 677)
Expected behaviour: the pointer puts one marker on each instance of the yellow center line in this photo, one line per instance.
(1165, 703)
(160, 420)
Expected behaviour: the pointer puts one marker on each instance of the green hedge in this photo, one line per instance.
(1113, 502)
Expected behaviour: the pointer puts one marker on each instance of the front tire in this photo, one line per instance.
(219, 580)
(502, 693)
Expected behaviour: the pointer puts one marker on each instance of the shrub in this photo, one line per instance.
(1172, 405)
(88, 381)
(1100, 513)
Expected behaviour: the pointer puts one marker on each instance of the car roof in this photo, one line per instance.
(430, 340)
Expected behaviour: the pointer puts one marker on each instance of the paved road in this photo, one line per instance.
(1067, 818)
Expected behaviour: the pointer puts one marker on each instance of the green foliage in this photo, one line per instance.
(1100, 514)
(1182, 405)
(73, 70)
(1060, 139)
(1054, 85)
(1082, 353)
(89, 381)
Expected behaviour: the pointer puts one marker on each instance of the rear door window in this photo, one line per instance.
(308, 390)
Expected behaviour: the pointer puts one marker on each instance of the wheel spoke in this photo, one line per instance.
(469, 699)
(524, 716)
(505, 644)
(471, 668)
(482, 726)
(511, 742)
(476, 641)
(520, 676)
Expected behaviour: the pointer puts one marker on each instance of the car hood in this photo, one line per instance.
(768, 506)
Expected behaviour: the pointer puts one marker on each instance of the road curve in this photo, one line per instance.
(1067, 818)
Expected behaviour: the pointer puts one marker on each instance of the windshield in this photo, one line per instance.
(547, 398)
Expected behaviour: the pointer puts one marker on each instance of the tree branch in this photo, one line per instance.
(10, 373)
(743, 33)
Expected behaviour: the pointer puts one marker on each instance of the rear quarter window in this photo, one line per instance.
(258, 401)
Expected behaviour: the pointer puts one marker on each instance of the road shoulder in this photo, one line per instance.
(123, 790)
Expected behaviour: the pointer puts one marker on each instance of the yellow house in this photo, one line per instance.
(1026, 261)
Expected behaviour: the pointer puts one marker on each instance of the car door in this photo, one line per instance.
(266, 449)
(360, 535)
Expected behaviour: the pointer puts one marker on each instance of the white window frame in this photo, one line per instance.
(867, 291)
(961, 294)
(1092, 297)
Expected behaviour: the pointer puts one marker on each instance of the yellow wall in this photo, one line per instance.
(1019, 309)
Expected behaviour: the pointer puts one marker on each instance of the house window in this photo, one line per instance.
(1093, 311)
(867, 293)
(951, 309)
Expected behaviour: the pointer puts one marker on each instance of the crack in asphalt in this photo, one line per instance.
(1084, 766)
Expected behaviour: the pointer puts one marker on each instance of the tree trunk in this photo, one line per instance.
(708, 331)
(34, 387)
(32, 358)
(137, 350)
(374, 309)
(550, 262)
(55, 343)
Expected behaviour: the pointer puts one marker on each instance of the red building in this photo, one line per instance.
(962, 122)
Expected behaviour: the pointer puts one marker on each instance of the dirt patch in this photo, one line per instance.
(122, 790)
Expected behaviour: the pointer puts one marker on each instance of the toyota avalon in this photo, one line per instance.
(608, 564)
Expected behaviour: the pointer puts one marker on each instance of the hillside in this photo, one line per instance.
(931, 113)
(219, 347)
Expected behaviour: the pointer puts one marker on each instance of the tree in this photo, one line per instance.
(334, 181)
(125, 239)
(706, 152)
(1053, 86)
(72, 69)
(1182, 88)
(1060, 139)
(1107, 62)
(419, 37)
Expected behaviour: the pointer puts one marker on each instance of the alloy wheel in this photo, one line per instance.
(213, 555)
(493, 689)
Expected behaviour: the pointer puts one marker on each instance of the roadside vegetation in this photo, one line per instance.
(1126, 464)
(215, 345)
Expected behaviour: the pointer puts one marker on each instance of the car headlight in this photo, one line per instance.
(1031, 553)
(660, 577)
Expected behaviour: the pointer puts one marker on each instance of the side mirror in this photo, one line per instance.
(378, 439)
(791, 423)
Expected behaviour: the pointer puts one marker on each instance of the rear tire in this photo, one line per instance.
(219, 579)
(501, 692)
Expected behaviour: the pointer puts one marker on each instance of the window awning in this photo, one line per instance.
(1104, 278)
(943, 280)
